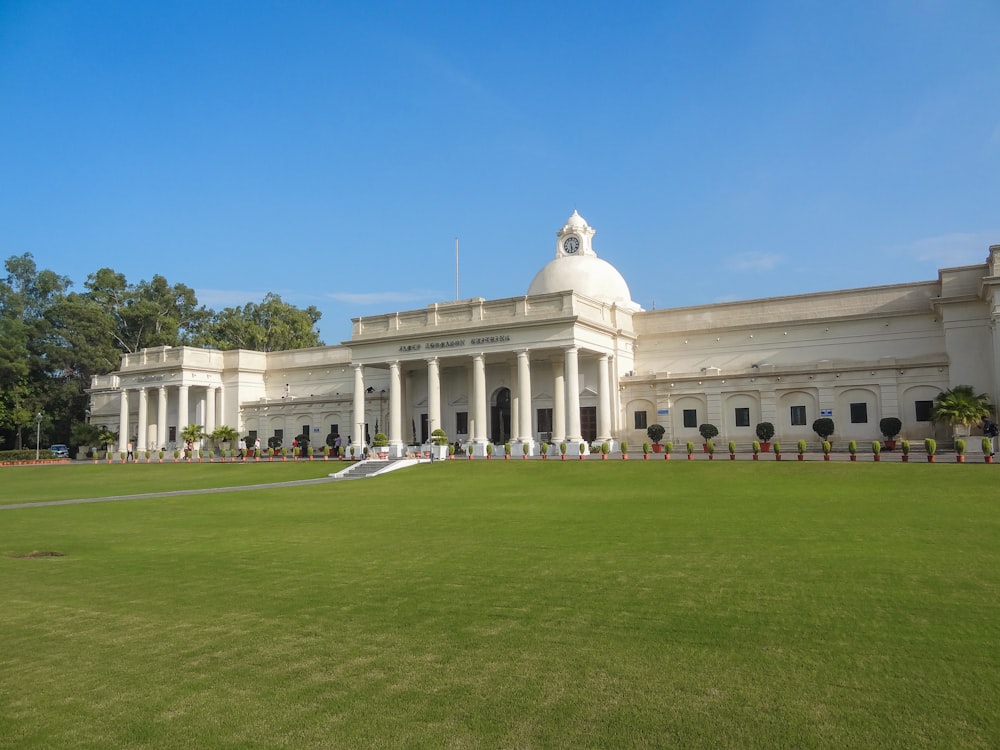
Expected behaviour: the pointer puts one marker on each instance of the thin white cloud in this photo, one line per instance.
(752, 261)
(955, 249)
(379, 298)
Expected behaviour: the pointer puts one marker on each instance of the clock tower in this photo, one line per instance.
(575, 239)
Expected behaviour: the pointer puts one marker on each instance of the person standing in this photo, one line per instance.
(242, 446)
(130, 453)
(256, 448)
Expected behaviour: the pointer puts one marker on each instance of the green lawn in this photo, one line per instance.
(493, 604)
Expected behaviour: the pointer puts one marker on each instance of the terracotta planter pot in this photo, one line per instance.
(890, 445)
(756, 457)
(906, 458)
(581, 456)
(711, 456)
(854, 457)
(657, 448)
(563, 457)
(801, 457)
(704, 448)
(690, 457)
(777, 456)
(930, 459)
(732, 456)
(624, 457)
(604, 456)
(765, 447)
(877, 457)
(666, 456)
(988, 459)
(960, 459)
(826, 456)
(645, 456)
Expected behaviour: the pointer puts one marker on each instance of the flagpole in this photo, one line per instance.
(456, 269)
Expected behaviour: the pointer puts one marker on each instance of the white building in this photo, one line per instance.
(576, 360)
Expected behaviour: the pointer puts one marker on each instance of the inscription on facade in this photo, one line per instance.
(500, 338)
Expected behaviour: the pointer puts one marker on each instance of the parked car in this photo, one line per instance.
(59, 450)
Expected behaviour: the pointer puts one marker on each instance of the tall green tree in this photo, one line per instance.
(272, 325)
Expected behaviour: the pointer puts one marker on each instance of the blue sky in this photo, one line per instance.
(331, 152)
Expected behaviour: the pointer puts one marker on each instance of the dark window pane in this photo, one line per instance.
(923, 410)
(798, 415)
(743, 417)
(640, 420)
(690, 417)
(859, 413)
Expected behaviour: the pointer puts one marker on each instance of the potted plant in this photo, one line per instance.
(506, 451)
(802, 450)
(562, 450)
(440, 449)
(177, 454)
(655, 433)
(890, 427)
(544, 450)
(381, 445)
(876, 450)
(583, 448)
(326, 452)
(668, 448)
(732, 450)
(161, 455)
(827, 446)
(765, 431)
(755, 446)
(525, 450)
(224, 435)
(707, 432)
(690, 449)
(645, 451)
(905, 446)
(146, 456)
(930, 447)
(777, 450)
(852, 447)
(710, 446)
(823, 427)
(624, 450)
(987, 449)
(960, 450)
(451, 452)
(605, 449)
(489, 451)
(961, 407)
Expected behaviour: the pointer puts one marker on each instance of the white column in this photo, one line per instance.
(220, 407)
(434, 394)
(479, 398)
(140, 444)
(358, 416)
(558, 401)
(524, 397)
(210, 409)
(604, 399)
(161, 417)
(395, 411)
(515, 401)
(182, 409)
(572, 396)
(123, 421)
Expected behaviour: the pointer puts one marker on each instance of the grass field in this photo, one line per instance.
(491, 604)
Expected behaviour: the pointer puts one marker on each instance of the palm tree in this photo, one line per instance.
(961, 405)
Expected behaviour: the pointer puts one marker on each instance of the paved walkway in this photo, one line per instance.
(172, 493)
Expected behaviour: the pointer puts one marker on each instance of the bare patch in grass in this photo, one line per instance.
(36, 553)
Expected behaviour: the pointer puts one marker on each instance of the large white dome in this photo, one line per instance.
(584, 274)
(578, 269)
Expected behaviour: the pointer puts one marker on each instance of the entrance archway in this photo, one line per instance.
(500, 416)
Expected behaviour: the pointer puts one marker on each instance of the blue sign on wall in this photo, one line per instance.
(826, 412)
(663, 411)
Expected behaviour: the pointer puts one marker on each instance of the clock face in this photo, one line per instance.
(571, 245)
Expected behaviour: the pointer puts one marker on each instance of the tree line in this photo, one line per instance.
(55, 338)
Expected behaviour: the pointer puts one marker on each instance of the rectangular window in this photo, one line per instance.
(640, 420)
(172, 434)
(279, 437)
(545, 420)
(334, 429)
(252, 438)
(690, 417)
(797, 415)
(462, 423)
(859, 413)
(743, 416)
(923, 410)
(307, 431)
